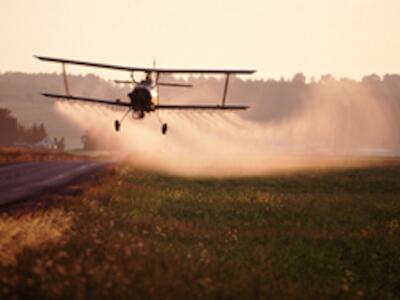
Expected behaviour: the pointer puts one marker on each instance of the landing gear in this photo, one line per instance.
(117, 125)
(164, 128)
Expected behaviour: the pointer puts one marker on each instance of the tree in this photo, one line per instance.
(88, 141)
(11, 131)
(299, 78)
(61, 144)
(4, 113)
(8, 127)
(373, 78)
(42, 133)
(327, 78)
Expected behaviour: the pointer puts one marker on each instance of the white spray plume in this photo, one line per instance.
(225, 145)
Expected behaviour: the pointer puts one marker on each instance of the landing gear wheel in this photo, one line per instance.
(117, 125)
(164, 128)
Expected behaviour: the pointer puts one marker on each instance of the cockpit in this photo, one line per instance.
(147, 81)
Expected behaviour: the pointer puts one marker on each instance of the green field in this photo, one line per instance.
(135, 234)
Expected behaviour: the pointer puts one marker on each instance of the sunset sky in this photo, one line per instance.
(347, 38)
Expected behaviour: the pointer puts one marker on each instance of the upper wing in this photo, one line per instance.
(202, 107)
(132, 69)
(85, 99)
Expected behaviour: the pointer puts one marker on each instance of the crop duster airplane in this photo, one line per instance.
(144, 97)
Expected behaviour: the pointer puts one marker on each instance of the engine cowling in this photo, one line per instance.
(141, 99)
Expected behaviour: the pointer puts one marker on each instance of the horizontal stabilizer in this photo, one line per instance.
(175, 84)
(86, 99)
(125, 81)
(159, 83)
(203, 107)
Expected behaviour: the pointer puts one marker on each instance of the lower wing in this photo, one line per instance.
(125, 104)
(85, 99)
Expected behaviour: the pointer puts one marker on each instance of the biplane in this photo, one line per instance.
(144, 97)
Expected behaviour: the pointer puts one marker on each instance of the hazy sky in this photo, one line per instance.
(278, 37)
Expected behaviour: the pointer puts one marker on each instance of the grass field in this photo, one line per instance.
(18, 155)
(134, 234)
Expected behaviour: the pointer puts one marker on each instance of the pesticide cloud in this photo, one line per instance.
(226, 145)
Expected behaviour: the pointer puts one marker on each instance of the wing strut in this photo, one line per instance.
(225, 88)
(158, 88)
(65, 80)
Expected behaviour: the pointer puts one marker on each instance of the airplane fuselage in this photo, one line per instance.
(142, 97)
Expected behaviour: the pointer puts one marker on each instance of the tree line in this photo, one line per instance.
(12, 133)
(270, 99)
